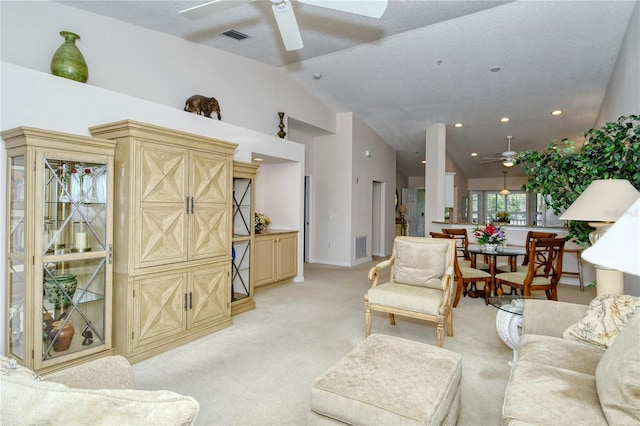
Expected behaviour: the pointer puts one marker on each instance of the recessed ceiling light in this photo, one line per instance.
(317, 75)
(557, 112)
(458, 125)
(258, 159)
(424, 161)
(474, 154)
(495, 69)
(505, 119)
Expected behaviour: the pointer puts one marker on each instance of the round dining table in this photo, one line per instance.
(511, 252)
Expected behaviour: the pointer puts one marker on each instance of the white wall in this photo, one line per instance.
(623, 92)
(157, 67)
(623, 98)
(379, 167)
(332, 192)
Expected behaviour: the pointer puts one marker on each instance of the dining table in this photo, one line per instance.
(511, 252)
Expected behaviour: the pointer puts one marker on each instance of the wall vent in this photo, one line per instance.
(361, 247)
(235, 34)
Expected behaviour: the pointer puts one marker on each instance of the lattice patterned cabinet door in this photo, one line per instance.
(162, 206)
(209, 295)
(210, 178)
(159, 312)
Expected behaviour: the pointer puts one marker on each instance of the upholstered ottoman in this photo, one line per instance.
(390, 380)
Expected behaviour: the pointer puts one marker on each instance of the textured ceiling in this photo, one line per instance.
(427, 62)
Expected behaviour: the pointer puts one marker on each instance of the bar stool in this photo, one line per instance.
(577, 273)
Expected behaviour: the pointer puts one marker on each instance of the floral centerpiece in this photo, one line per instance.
(261, 221)
(490, 236)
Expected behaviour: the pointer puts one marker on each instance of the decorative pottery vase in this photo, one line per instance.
(281, 133)
(491, 248)
(47, 323)
(62, 335)
(68, 61)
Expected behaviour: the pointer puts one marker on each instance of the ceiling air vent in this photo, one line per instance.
(235, 34)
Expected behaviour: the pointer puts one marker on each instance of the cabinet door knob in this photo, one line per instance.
(185, 301)
(191, 205)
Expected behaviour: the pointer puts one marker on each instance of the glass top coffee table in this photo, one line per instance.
(509, 320)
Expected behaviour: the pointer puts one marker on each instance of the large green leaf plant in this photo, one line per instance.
(561, 172)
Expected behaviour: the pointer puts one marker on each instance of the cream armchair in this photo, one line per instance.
(420, 286)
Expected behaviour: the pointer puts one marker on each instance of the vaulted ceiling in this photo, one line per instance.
(427, 62)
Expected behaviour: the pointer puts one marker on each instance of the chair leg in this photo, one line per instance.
(440, 330)
(392, 319)
(367, 318)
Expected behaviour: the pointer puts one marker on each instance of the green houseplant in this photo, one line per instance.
(561, 172)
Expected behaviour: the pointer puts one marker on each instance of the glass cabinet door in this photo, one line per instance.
(243, 222)
(75, 256)
(243, 225)
(16, 288)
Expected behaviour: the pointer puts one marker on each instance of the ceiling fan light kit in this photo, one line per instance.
(285, 17)
(508, 157)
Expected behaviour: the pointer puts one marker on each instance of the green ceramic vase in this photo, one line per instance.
(68, 61)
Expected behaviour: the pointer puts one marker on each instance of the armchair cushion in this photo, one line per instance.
(420, 264)
(618, 376)
(605, 318)
(407, 297)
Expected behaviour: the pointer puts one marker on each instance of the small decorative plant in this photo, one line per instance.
(261, 222)
(502, 217)
(490, 234)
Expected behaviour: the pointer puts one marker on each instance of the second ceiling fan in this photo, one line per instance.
(285, 17)
(507, 157)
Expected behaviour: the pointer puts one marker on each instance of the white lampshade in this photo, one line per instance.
(604, 200)
(619, 247)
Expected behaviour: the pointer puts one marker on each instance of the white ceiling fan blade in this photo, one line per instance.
(370, 8)
(287, 24)
(206, 9)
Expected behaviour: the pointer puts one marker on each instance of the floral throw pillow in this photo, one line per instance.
(10, 367)
(605, 318)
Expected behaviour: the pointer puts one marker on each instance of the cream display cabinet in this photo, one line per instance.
(58, 269)
(242, 275)
(173, 233)
(276, 253)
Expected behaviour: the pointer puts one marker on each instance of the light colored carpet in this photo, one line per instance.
(259, 370)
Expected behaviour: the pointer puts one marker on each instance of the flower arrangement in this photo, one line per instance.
(261, 221)
(502, 217)
(490, 234)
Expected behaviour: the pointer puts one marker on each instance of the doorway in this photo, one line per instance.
(377, 219)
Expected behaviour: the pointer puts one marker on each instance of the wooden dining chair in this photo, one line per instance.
(543, 272)
(531, 235)
(462, 248)
(464, 275)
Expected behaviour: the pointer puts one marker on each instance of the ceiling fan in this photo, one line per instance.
(286, 19)
(507, 157)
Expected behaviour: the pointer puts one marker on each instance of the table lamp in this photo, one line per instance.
(619, 248)
(602, 203)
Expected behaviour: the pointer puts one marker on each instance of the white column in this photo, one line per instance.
(435, 144)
